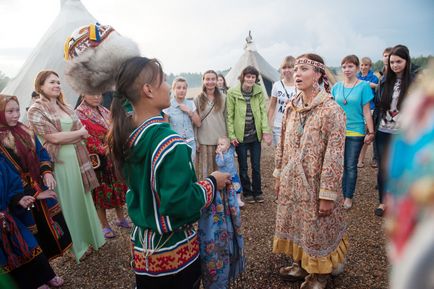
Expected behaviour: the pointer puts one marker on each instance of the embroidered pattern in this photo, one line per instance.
(208, 191)
(167, 261)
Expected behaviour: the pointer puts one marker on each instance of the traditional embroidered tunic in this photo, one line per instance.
(309, 162)
(163, 199)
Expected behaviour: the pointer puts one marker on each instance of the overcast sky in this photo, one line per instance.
(196, 35)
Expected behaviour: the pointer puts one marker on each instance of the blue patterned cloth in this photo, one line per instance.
(221, 241)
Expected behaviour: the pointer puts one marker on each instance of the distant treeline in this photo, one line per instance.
(421, 62)
(195, 79)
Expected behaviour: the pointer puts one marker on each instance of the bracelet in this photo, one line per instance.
(371, 133)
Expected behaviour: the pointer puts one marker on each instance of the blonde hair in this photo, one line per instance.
(288, 61)
(179, 79)
(367, 60)
(225, 138)
(40, 80)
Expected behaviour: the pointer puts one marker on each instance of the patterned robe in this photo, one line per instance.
(309, 163)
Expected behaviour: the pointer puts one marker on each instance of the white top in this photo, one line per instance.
(283, 95)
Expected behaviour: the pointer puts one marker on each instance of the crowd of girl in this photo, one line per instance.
(60, 164)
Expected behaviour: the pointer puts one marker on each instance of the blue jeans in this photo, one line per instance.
(353, 146)
(382, 141)
(250, 188)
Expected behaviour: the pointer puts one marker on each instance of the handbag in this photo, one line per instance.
(95, 161)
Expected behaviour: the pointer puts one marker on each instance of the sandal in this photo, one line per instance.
(56, 282)
(361, 165)
(108, 233)
(123, 224)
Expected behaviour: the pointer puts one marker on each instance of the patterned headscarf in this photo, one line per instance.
(19, 138)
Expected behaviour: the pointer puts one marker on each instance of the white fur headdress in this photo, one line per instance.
(93, 54)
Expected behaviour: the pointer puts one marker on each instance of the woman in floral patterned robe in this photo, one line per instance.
(111, 192)
(309, 164)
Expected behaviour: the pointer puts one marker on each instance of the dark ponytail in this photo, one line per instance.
(131, 76)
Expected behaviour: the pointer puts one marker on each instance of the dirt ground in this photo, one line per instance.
(366, 267)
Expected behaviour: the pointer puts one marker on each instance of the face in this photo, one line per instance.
(305, 76)
(220, 82)
(12, 113)
(51, 86)
(365, 67)
(161, 94)
(349, 69)
(249, 81)
(287, 71)
(397, 64)
(223, 145)
(385, 58)
(180, 90)
(93, 100)
(210, 81)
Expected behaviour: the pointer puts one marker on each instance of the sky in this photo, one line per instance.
(197, 35)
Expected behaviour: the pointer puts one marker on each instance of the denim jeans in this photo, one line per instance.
(382, 141)
(353, 146)
(250, 188)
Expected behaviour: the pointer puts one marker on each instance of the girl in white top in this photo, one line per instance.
(283, 90)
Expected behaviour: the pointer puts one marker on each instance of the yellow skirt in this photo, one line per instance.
(313, 265)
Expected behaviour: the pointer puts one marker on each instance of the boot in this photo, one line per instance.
(315, 281)
(292, 273)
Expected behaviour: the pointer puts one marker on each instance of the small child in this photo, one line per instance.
(182, 114)
(225, 161)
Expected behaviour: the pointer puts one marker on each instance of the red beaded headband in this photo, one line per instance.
(310, 62)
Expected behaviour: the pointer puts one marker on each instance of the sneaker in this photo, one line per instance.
(348, 203)
(315, 281)
(259, 199)
(240, 202)
(249, 199)
(292, 273)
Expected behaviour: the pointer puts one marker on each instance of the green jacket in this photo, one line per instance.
(236, 110)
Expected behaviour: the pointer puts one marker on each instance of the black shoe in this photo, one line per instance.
(259, 199)
(249, 199)
(379, 212)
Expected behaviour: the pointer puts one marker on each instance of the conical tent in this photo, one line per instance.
(48, 54)
(267, 73)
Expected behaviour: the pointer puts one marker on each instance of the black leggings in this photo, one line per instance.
(189, 278)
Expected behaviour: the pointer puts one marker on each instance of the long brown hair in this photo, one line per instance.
(323, 79)
(40, 80)
(203, 99)
(131, 76)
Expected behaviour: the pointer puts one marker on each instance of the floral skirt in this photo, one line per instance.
(110, 193)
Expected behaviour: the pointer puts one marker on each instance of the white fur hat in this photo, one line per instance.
(93, 54)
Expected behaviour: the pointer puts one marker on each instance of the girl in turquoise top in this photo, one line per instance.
(353, 95)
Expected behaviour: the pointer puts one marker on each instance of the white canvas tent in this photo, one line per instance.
(267, 73)
(48, 54)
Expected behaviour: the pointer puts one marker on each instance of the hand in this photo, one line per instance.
(26, 201)
(325, 208)
(222, 179)
(49, 181)
(235, 142)
(84, 133)
(267, 138)
(185, 108)
(46, 195)
(369, 138)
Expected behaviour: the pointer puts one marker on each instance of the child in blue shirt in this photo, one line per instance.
(225, 160)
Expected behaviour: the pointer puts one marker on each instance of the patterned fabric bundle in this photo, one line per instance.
(221, 241)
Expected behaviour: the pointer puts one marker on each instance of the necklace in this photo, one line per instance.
(343, 92)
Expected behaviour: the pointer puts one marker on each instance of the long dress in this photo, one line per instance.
(20, 255)
(77, 205)
(45, 220)
(309, 163)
